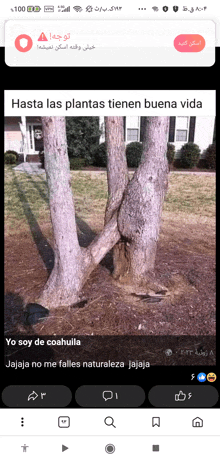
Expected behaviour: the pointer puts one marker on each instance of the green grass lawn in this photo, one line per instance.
(26, 197)
(192, 194)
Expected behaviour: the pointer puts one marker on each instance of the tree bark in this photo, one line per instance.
(118, 178)
(64, 280)
(72, 265)
(117, 171)
(132, 217)
(140, 213)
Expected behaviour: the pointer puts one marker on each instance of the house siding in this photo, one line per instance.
(13, 136)
(199, 130)
(204, 132)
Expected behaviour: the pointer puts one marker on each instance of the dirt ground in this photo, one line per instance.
(185, 264)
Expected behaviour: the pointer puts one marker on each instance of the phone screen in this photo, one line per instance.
(109, 340)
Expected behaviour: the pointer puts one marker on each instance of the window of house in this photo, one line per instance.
(132, 134)
(181, 135)
(182, 128)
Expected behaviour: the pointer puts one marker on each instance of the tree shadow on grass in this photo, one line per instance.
(85, 234)
(44, 248)
(44, 195)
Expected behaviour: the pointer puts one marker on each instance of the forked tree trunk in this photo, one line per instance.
(140, 213)
(133, 211)
(72, 264)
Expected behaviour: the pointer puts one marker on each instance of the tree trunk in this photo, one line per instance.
(133, 211)
(140, 213)
(117, 175)
(72, 265)
(64, 280)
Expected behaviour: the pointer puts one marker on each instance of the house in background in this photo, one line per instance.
(199, 130)
(14, 138)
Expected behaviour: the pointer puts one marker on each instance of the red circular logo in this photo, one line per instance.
(23, 43)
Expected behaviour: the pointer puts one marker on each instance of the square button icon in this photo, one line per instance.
(155, 447)
(63, 422)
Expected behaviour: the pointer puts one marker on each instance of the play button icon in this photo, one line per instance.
(64, 448)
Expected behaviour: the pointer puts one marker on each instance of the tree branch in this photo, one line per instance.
(101, 245)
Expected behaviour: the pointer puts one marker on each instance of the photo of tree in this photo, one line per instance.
(97, 247)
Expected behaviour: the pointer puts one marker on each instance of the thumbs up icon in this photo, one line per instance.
(180, 396)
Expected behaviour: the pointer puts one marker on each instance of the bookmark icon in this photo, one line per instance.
(156, 422)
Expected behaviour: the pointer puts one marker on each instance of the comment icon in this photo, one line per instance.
(107, 394)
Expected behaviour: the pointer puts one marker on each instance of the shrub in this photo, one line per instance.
(41, 156)
(76, 163)
(82, 137)
(133, 153)
(9, 158)
(177, 163)
(202, 164)
(210, 156)
(170, 153)
(10, 151)
(100, 156)
(189, 155)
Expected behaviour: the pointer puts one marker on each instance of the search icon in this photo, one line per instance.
(109, 421)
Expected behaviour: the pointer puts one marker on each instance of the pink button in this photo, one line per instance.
(190, 43)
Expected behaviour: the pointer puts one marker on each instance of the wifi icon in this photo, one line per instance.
(78, 9)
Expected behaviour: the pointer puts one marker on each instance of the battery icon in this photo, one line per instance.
(36, 9)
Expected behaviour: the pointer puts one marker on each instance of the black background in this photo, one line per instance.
(143, 78)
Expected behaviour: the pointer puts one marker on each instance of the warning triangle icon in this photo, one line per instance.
(64, 448)
(42, 38)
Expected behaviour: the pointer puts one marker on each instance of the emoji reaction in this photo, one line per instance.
(211, 377)
(201, 377)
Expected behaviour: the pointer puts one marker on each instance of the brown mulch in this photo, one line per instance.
(187, 271)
